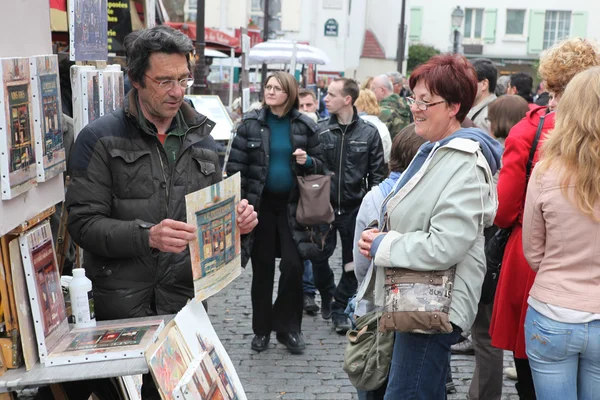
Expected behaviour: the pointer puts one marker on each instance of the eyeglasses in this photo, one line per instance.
(169, 83)
(276, 89)
(421, 105)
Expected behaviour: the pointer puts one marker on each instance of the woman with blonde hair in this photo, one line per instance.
(561, 225)
(368, 109)
(557, 66)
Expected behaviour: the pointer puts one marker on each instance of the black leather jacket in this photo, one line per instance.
(353, 155)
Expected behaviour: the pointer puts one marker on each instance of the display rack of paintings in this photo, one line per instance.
(188, 360)
(215, 253)
(96, 92)
(17, 155)
(48, 131)
(88, 30)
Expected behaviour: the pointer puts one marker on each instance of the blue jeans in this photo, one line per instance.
(564, 358)
(420, 366)
(308, 280)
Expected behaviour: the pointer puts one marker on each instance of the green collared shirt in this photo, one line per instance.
(175, 133)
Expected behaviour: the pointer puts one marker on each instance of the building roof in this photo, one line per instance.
(371, 46)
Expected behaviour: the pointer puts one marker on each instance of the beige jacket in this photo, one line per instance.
(480, 111)
(562, 244)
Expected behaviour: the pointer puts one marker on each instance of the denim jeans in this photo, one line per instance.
(308, 280)
(564, 358)
(420, 365)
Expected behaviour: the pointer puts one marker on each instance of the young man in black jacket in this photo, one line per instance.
(353, 155)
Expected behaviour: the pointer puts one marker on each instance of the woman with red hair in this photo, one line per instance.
(434, 222)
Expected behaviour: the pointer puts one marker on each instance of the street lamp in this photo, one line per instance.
(457, 19)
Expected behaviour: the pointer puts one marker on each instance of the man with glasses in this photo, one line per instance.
(130, 172)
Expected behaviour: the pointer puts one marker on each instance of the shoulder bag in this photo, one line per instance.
(314, 205)
(368, 353)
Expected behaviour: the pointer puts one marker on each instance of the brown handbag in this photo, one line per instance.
(417, 301)
(314, 205)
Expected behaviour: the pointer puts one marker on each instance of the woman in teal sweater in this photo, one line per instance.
(272, 146)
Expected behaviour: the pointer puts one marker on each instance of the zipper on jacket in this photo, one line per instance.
(162, 169)
(340, 172)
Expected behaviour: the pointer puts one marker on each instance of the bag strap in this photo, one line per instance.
(534, 145)
(478, 112)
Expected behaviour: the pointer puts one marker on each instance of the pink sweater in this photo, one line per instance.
(562, 244)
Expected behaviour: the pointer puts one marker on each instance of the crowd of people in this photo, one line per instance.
(424, 171)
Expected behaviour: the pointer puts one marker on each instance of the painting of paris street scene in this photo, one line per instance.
(215, 252)
(48, 128)
(89, 30)
(17, 156)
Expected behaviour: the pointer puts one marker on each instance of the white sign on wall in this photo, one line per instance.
(333, 4)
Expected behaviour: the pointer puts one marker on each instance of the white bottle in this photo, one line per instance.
(82, 302)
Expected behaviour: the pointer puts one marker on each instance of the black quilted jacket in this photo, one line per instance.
(122, 184)
(250, 156)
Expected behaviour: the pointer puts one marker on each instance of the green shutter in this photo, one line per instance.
(535, 41)
(416, 24)
(579, 24)
(489, 35)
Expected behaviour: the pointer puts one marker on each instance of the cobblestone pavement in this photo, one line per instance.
(316, 374)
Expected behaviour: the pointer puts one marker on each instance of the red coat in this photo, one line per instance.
(516, 277)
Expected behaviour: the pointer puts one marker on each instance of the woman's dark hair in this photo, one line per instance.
(139, 45)
(504, 113)
(450, 76)
(290, 87)
(404, 147)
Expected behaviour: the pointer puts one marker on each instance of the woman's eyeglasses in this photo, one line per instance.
(276, 89)
(421, 105)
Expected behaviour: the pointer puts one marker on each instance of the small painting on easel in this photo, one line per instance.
(17, 156)
(48, 130)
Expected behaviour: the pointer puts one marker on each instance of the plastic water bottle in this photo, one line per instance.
(82, 302)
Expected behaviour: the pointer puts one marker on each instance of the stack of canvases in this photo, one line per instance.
(31, 136)
(96, 92)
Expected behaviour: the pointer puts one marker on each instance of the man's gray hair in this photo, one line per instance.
(386, 82)
(502, 85)
(396, 77)
(139, 45)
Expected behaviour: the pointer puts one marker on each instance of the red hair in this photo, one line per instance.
(450, 76)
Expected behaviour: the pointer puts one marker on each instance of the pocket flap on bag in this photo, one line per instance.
(129, 156)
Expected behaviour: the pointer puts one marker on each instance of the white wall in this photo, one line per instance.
(373, 67)
(383, 18)
(308, 23)
(343, 50)
(33, 40)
